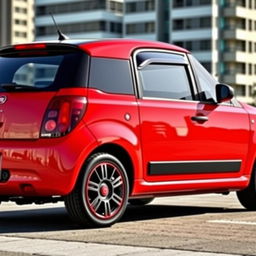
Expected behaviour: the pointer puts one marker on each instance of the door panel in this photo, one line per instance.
(182, 137)
(177, 148)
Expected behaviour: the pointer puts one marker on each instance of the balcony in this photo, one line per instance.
(236, 33)
(234, 56)
(235, 11)
(234, 78)
(238, 79)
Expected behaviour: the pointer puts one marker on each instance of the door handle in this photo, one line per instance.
(199, 118)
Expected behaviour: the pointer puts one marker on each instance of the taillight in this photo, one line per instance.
(22, 47)
(62, 115)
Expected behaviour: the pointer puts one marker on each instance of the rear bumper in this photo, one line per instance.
(45, 167)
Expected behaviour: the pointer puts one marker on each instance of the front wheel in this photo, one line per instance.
(247, 197)
(100, 196)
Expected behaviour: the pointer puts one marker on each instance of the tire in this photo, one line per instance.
(101, 193)
(247, 197)
(141, 201)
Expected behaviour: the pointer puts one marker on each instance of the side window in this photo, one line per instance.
(206, 82)
(111, 76)
(165, 77)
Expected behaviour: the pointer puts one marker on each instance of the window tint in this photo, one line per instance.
(111, 76)
(50, 71)
(165, 81)
(206, 82)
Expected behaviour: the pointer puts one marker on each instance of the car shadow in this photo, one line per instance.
(57, 219)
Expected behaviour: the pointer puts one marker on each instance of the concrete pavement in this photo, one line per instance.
(17, 246)
(204, 225)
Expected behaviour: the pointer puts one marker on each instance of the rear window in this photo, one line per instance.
(44, 72)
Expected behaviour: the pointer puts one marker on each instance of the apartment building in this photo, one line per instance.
(98, 18)
(79, 19)
(220, 33)
(16, 21)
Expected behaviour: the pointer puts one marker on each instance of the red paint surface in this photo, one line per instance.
(156, 131)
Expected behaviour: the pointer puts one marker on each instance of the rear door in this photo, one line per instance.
(183, 137)
(30, 75)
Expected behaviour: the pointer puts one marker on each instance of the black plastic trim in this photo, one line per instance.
(193, 167)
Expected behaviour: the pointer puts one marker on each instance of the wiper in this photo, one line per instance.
(15, 86)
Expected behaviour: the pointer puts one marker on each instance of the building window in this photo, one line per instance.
(241, 68)
(140, 6)
(250, 25)
(20, 22)
(178, 3)
(20, 10)
(250, 4)
(195, 45)
(237, 68)
(186, 3)
(192, 23)
(71, 7)
(241, 45)
(115, 27)
(240, 89)
(238, 23)
(250, 69)
(233, 3)
(20, 34)
(205, 45)
(178, 24)
(234, 46)
(140, 28)
(95, 26)
(250, 46)
(116, 7)
(205, 22)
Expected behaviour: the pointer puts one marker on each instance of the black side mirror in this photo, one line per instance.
(224, 92)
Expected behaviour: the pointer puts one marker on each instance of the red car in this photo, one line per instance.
(98, 123)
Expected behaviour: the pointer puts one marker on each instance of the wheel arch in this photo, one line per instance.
(130, 161)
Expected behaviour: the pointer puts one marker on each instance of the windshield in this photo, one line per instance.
(43, 73)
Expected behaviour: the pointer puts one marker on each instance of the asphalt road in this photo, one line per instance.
(204, 223)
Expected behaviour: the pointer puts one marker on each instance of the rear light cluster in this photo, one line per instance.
(22, 47)
(62, 115)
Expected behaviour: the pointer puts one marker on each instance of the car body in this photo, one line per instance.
(101, 122)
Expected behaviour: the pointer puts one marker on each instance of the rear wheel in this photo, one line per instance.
(247, 197)
(141, 201)
(100, 196)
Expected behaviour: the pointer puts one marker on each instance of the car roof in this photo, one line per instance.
(105, 48)
(123, 48)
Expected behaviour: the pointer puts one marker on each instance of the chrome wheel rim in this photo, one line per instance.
(105, 190)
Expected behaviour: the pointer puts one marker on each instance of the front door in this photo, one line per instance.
(182, 137)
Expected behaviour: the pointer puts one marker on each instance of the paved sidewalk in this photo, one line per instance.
(16, 246)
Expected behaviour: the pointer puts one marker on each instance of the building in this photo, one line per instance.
(79, 19)
(97, 18)
(16, 21)
(220, 33)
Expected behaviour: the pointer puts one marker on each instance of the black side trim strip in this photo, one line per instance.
(169, 168)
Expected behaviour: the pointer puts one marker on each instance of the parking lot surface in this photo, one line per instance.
(184, 225)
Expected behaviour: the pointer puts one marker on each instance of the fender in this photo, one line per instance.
(117, 133)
